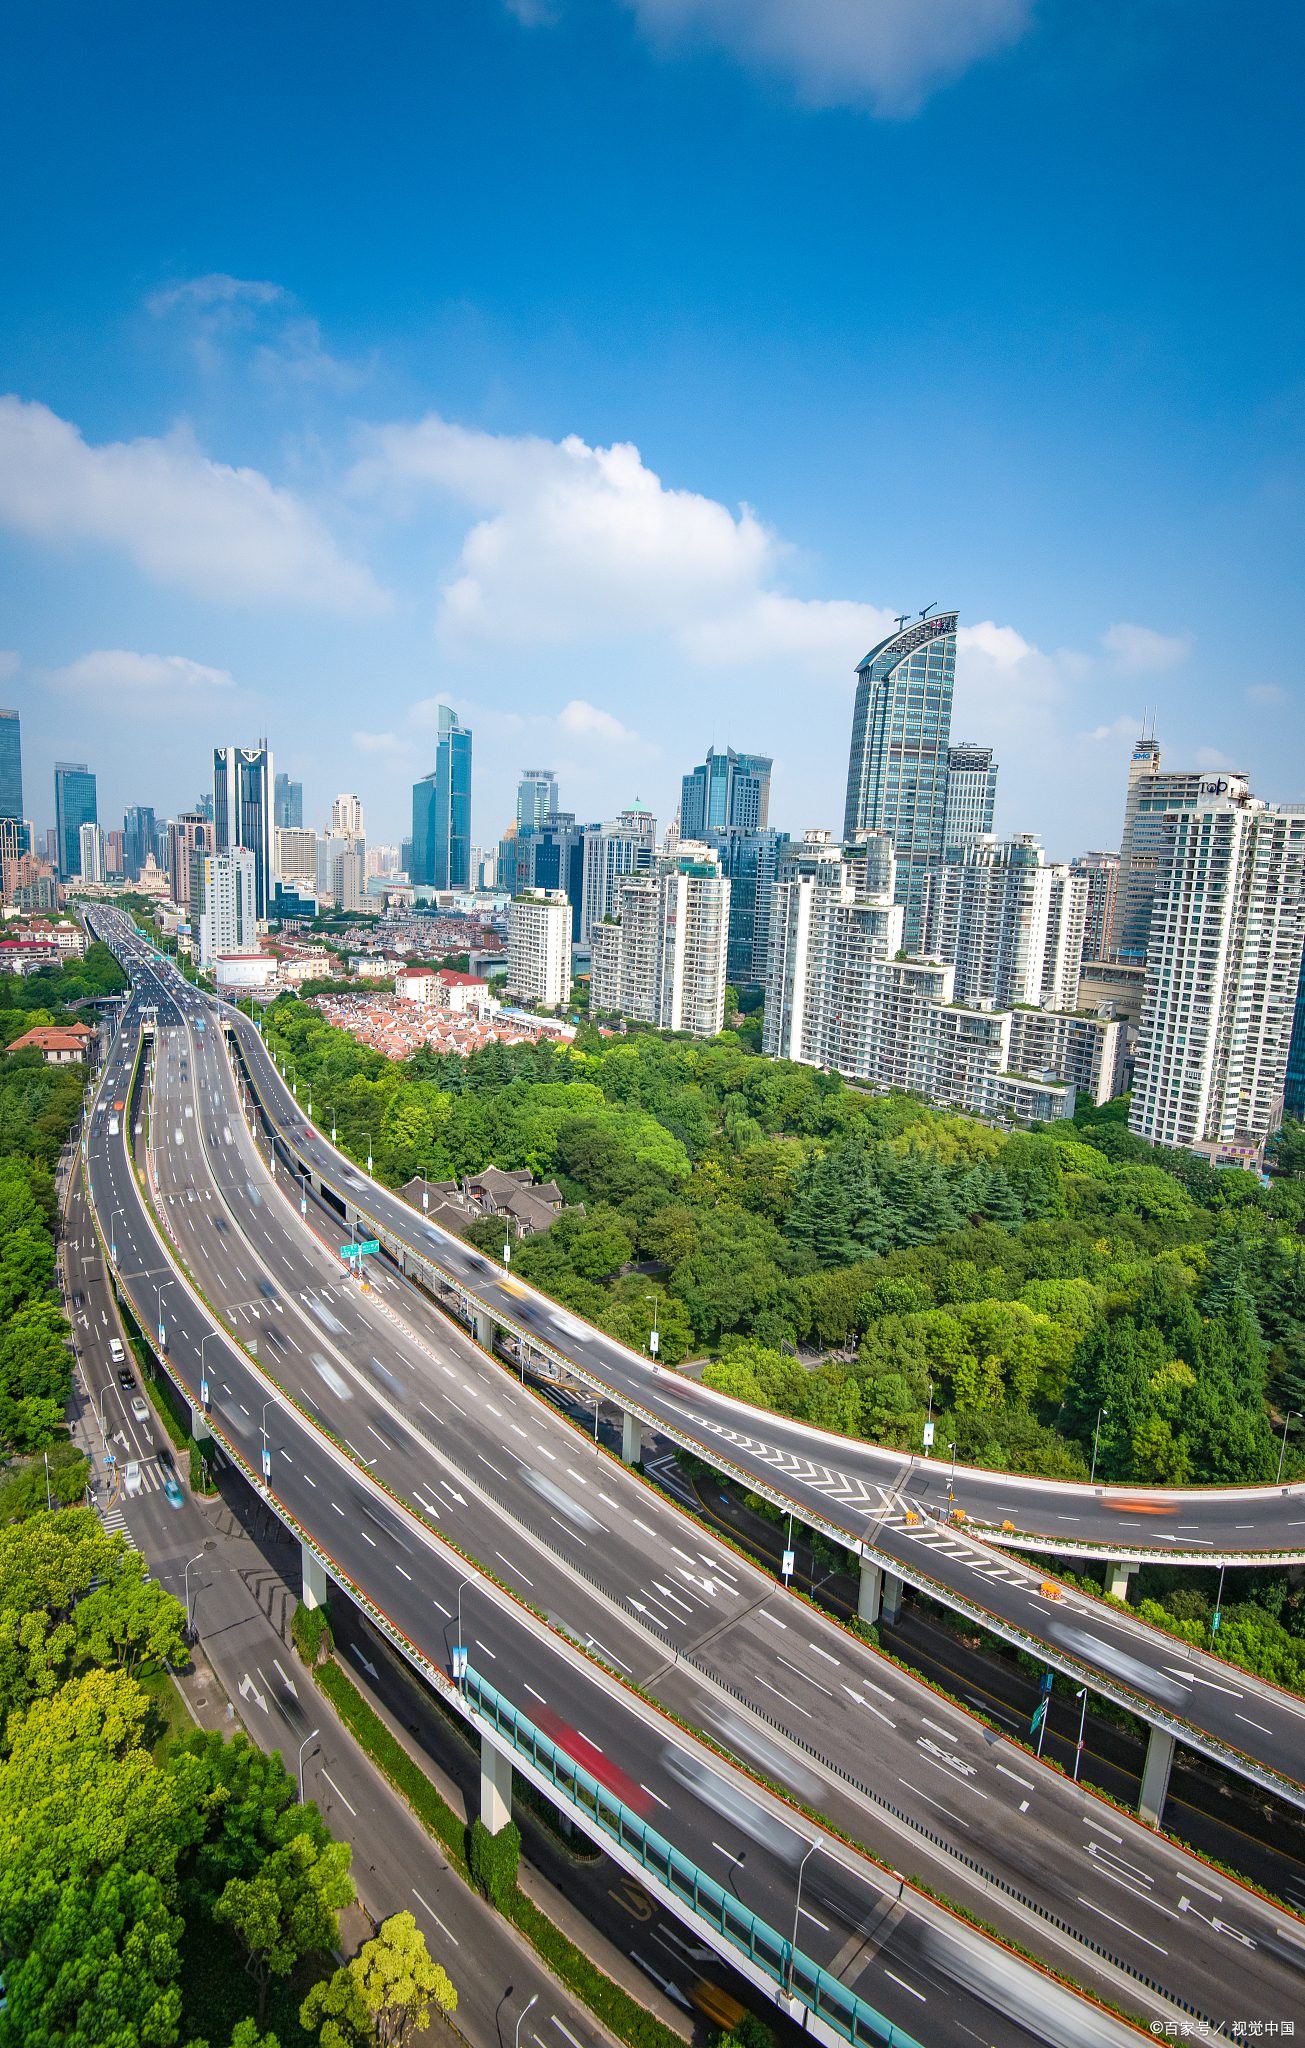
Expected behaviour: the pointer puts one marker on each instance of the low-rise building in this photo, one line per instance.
(60, 1045)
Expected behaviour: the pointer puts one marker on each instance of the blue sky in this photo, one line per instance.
(614, 369)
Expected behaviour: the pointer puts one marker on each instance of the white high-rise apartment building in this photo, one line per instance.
(624, 846)
(1012, 926)
(228, 921)
(294, 854)
(347, 816)
(1227, 923)
(348, 883)
(92, 860)
(665, 963)
(839, 996)
(539, 947)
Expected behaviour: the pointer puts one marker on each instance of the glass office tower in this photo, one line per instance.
(441, 811)
(243, 782)
(74, 806)
(11, 766)
(288, 804)
(897, 770)
(729, 793)
(137, 839)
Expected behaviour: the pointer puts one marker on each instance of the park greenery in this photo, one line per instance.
(859, 1261)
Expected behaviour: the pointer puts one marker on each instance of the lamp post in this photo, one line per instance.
(1078, 1753)
(1294, 1416)
(534, 2001)
(461, 1653)
(797, 1908)
(368, 1136)
(113, 1247)
(332, 1125)
(302, 1747)
(1096, 1438)
(203, 1381)
(294, 1085)
(654, 1341)
(303, 1194)
(189, 1613)
(951, 1481)
(163, 1342)
(267, 1455)
(425, 1187)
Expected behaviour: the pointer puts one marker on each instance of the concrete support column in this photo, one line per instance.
(871, 1588)
(495, 1786)
(199, 1428)
(484, 1329)
(631, 1438)
(316, 1584)
(1155, 1778)
(892, 1607)
(1118, 1575)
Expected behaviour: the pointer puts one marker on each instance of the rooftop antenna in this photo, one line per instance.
(901, 618)
(928, 608)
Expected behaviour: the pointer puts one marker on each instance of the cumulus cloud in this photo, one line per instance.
(217, 289)
(118, 671)
(10, 664)
(1137, 648)
(587, 544)
(228, 535)
(585, 721)
(887, 54)
(375, 742)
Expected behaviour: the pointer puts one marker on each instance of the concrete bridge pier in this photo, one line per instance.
(631, 1438)
(495, 1786)
(870, 1592)
(316, 1584)
(199, 1428)
(1155, 1778)
(891, 1612)
(484, 1329)
(1119, 1574)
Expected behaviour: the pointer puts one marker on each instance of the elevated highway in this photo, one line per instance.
(456, 1453)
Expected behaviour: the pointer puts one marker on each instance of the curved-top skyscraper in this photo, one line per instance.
(897, 772)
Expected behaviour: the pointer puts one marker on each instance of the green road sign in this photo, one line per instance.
(348, 1251)
(373, 1244)
(351, 1251)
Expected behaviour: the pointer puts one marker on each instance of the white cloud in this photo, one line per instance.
(1119, 729)
(1267, 693)
(1137, 648)
(217, 289)
(225, 534)
(122, 674)
(1210, 757)
(889, 54)
(376, 742)
(584, 544)
(9, 665)
(585, 721)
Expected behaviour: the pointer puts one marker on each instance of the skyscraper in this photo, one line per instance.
(1222, 973)
(554, 859)
(92, 863)
(137, 839)
(11, 765)
(1011, 925)
(624, 846)
(1152, 794)
(242, 812)
(971, 797)
(897, 768)
(74, 806)
(536, 797)
(749, 861)
(441, 810)
(347, 816)
(187, 833)
(288, 803)
(729, 793)
(664, 963)
(225, 888)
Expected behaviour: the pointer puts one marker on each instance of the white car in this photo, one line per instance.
(139, 1408)
(131, 1477)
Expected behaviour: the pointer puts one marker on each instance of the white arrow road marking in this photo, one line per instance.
(288, 1683)
(248, 1690)
(362, 1660)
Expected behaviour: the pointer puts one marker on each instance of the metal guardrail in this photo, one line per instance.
(795, 1976)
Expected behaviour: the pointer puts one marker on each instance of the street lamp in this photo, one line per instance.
(332, 1126)
(368, 1136)
(1294, 1416)
(113, 1242)
(163, 1341)
(1096, 1438)
(267, 1455)
(1078, 1753)
(951, 1482)
(294, 1085)
(654, 1340)
(459, 1651)
(534, 2001)
(203, 1382)
(425, 1189)
(302, 1747)
(303, 1194)
(811, 1848)
(189, 1614)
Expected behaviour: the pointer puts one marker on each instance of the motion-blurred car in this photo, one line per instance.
(172, 1490)
(131, 1477)
(139, 1409)
(126, 1379)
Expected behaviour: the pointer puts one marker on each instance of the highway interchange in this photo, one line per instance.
(494, 1468)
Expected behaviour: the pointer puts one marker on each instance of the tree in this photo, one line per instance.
(101, 1970)
(288, 1909)
(384, 1994)
(131, 1618)
(1286, 1148)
